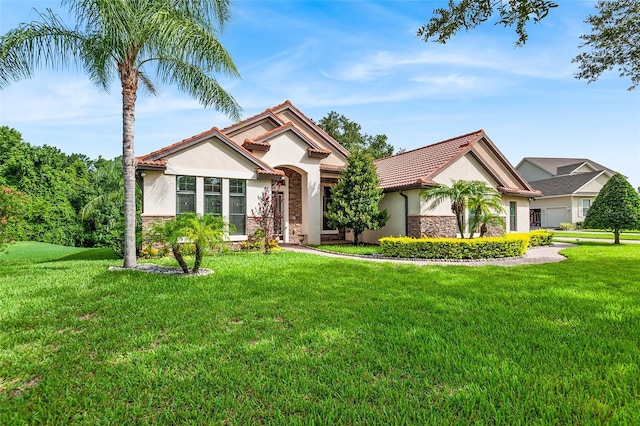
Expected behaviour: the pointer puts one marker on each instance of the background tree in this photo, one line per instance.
(11, 203)
(125, 39)
(349, 134)
(355, 199)
(616, 208)
(614, 41)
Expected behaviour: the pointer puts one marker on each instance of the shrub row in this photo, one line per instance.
(512, 245)
(540, 237)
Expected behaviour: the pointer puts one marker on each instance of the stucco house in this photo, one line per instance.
(472, 156)
(568, 187)
(223, 171)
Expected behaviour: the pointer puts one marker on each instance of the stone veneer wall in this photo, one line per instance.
(432, 226)
(295, 204)
(148, 220)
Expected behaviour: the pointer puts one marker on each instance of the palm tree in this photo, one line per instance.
(460, 194)
(484, 207)
(205, 232)
(129, 38)
(168, 232)
(457, 194)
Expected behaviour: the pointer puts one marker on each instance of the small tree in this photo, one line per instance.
(356, 197)
(267, 215)
(205, 232)
(616, 208)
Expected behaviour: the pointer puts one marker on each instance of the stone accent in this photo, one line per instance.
(295, 204)
(148, 220)
(432, 226)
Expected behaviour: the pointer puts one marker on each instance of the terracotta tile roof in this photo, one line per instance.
(255, 145)
(332, 168)
(519, 191)
(416, 167)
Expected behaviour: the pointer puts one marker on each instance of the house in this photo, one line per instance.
(223, 171)
(472, 156)
(568, 187)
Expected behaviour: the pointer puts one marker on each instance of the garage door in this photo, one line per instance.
(556, 216)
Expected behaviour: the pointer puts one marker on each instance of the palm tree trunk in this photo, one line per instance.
(199, 257)
(129, 80)
(179, 258)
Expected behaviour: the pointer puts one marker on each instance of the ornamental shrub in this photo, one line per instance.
(511, 245)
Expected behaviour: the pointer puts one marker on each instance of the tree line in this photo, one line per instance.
(57, 198)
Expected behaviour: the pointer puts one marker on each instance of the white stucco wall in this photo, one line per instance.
(393, 202)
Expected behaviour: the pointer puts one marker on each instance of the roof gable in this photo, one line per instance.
(262, 142)
(564, 166)
(418, 168)
(157, 160)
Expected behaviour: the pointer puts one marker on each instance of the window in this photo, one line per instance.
(237, 205)
(512, 216)
(185, 194)
(586, 203)
(213, 196)
(326, 200)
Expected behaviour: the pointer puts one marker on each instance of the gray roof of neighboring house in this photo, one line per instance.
(564, 166)
(564, 185)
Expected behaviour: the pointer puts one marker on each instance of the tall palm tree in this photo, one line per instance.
(174, 41)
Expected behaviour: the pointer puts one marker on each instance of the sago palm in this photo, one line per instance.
(137, 41)
(204, 231)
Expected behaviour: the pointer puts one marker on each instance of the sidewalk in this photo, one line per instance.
(535, 255)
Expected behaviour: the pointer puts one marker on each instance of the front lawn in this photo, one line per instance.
(295, 338)
(559, 235)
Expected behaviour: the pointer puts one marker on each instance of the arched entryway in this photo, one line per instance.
(291, 200)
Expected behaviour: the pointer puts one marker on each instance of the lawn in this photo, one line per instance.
(559, 235)
(295, 338)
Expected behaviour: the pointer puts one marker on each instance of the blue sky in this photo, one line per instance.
(361, 59)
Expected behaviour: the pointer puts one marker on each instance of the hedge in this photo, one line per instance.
(540, 237)
(512, 245)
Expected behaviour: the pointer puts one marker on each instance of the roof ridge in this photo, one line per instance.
(434, 144)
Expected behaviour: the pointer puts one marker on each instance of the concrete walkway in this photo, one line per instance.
(534, 255)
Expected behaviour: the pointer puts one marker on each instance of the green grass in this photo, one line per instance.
(294, 338)
(595, 235)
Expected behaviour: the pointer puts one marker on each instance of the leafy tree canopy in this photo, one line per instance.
(614, 40)
(349, 134)
(616, 208)
(355, 198)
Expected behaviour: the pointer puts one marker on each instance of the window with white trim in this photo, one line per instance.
(185, 194)
(586, 204)
(238, 205)
(213, 196)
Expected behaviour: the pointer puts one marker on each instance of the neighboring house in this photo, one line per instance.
(568, 186)
(223, 171)
(468, 157)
